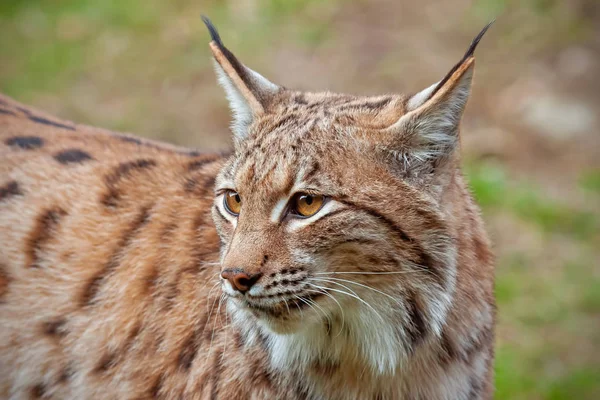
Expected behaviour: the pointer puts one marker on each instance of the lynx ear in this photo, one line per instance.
(427, 134)
(248, 92)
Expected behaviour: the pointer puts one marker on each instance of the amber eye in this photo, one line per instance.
(232, 202)
(307, 205)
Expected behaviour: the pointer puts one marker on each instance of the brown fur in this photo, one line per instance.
(110, 260)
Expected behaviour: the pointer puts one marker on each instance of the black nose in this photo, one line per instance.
(240, 280)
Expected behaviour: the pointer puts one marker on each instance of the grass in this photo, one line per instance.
(543, 301)
(491, 188)
(590, 181)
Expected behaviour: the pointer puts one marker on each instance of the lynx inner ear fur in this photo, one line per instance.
(428, 132)
(248, 92)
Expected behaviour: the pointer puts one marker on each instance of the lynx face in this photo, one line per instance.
(292, 264)
(330, 211)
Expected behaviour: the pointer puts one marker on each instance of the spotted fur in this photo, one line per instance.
(112, 247)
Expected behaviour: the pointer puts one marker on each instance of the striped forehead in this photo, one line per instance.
(275, 170)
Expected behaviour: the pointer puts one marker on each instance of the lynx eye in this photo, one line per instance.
(232, 202)
(307, 205)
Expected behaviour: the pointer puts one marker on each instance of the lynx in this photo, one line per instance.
(334, 253)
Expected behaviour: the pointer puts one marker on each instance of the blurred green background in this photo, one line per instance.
(531, 133)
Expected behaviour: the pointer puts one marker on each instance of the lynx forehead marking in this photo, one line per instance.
(46, 225)
(111, 197)
(71, 156)
(10, 189)
(93, 286)
(25, 142)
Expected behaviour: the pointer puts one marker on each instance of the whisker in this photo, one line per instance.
(287, 306)
(366, 273)
(368, 287)
(213, 324)
(305, 302)
(337, 302)
(335, 283)
(326, 315)
(226, 334)
(352, 295)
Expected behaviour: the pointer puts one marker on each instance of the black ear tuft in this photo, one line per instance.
(475, 41)
(467, 55)
(214, 34)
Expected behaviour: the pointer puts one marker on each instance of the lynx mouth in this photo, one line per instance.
(278, 306)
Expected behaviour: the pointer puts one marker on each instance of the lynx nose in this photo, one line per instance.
(240, 281)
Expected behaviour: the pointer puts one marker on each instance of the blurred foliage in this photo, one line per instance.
(142, 65)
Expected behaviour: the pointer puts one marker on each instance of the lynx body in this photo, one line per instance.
(336, 253)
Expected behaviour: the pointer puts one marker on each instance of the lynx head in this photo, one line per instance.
(333, 212)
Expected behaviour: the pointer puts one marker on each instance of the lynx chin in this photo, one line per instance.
(334, 253)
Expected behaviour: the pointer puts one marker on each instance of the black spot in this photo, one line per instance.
(264, 261)
(130, 139)
(25, 142)
(199, 184)
(4, 282)
(3, 111)
(106, 362)
(45, 121)
(10, 189)
(300, 99)
(46, 225)
(125, 168)
(65, 375)
(72, 156)
(111, 197)
(38, 391)
(54, 328)
(198, 164)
